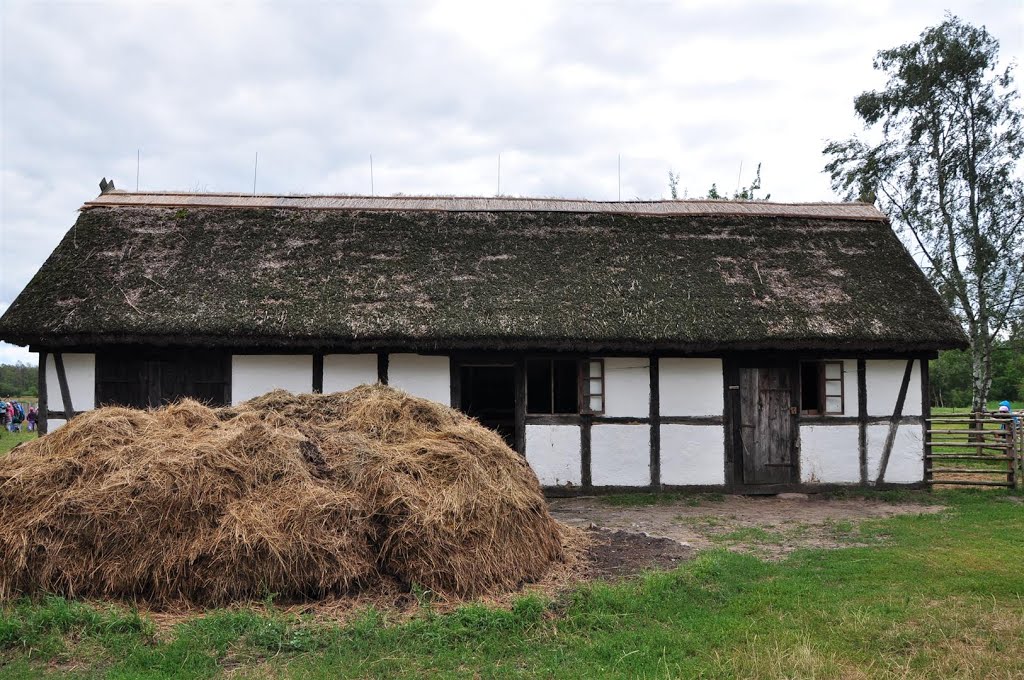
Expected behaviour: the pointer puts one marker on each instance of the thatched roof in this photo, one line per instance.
(442, 273)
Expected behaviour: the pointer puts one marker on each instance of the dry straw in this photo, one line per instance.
(303, 496)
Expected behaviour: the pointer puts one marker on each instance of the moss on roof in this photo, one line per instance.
(436, 279)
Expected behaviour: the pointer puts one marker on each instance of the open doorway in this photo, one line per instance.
(488, 393)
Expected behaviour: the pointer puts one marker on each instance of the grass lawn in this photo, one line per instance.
(935, 596)
(9, 440)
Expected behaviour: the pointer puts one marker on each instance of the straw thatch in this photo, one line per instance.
(422, 274)
(301, 496)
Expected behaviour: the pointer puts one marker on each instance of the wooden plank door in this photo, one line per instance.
(766, 425)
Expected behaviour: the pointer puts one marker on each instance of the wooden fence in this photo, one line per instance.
(975, 449)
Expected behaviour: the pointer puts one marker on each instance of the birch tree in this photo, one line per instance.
(943, 161)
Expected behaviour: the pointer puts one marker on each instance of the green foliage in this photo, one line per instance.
(745, 193)
(18, 380)
(947, 172)
(950, 375)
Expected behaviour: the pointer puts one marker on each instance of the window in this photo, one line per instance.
(821, 388)
(564, 386)
(153, 378)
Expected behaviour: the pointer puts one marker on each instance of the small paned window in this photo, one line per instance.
(592, 381)
(821, 388)
(564, 386)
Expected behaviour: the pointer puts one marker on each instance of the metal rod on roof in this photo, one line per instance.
(254, 167)
(371, 174)
(739, 178)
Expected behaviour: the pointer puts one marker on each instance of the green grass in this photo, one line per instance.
(9, 440)
(941, 596)
(641, 499)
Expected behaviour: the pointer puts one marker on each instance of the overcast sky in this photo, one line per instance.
(434, 91)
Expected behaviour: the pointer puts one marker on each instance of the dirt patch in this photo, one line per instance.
(768, 526)
(616, 554)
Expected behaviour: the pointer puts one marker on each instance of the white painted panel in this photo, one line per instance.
(421, 376)
(690, 387)
(80, 371)
(53, 423)
(692, 454)
(883, 385)
(620, 455)
(627, 387)
(906, 462)
(553, 451)
(256, 374)
(345, 371)
(829, 454)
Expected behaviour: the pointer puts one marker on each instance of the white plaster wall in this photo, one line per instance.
(53, 423)
(620, 455)
(627, 387)
(690, 387)
(906, 462)
(553, 451)
(423, 376)
(256, 374)
(884, 378)
(692, 454)
(830, 454)
(345, 371)
(80, 370)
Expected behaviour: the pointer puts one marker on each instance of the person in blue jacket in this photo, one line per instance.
(1007, 407)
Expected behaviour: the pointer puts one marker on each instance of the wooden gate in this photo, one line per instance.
(975, 449)
(767, 425)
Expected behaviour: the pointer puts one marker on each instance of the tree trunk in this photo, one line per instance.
(981, 372)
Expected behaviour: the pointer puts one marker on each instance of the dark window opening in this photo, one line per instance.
(810, 377)
(488, 393)
(564, 386)
(151, 379)
(821, 388)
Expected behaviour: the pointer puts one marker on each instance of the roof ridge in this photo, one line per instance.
(693, 207)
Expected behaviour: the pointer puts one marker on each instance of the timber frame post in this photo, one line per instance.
(655, 416)
(65, 393)
(41, 414)
(862, 419)
(894, 423)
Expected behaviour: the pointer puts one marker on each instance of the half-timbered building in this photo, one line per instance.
(753, 346)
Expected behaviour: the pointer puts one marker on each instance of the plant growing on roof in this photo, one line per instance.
(947, 172)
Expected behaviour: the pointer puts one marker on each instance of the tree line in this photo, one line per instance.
(18, 380)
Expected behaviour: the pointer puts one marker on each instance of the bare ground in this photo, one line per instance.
(768, 526)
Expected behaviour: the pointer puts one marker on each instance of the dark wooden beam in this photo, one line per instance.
(41, 377)
(862, 419)
(655, 424)
(586, 478)
(926, 413)
(62, 379)
(454, 383)
(318, 372)
(520, 405)
(730, 396)
(894, 424)
(382, 368)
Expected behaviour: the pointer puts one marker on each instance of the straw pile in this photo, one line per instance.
(303, 496)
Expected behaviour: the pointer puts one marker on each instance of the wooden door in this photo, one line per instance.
(766, 425)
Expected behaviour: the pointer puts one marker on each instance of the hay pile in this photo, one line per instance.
(303, 496)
